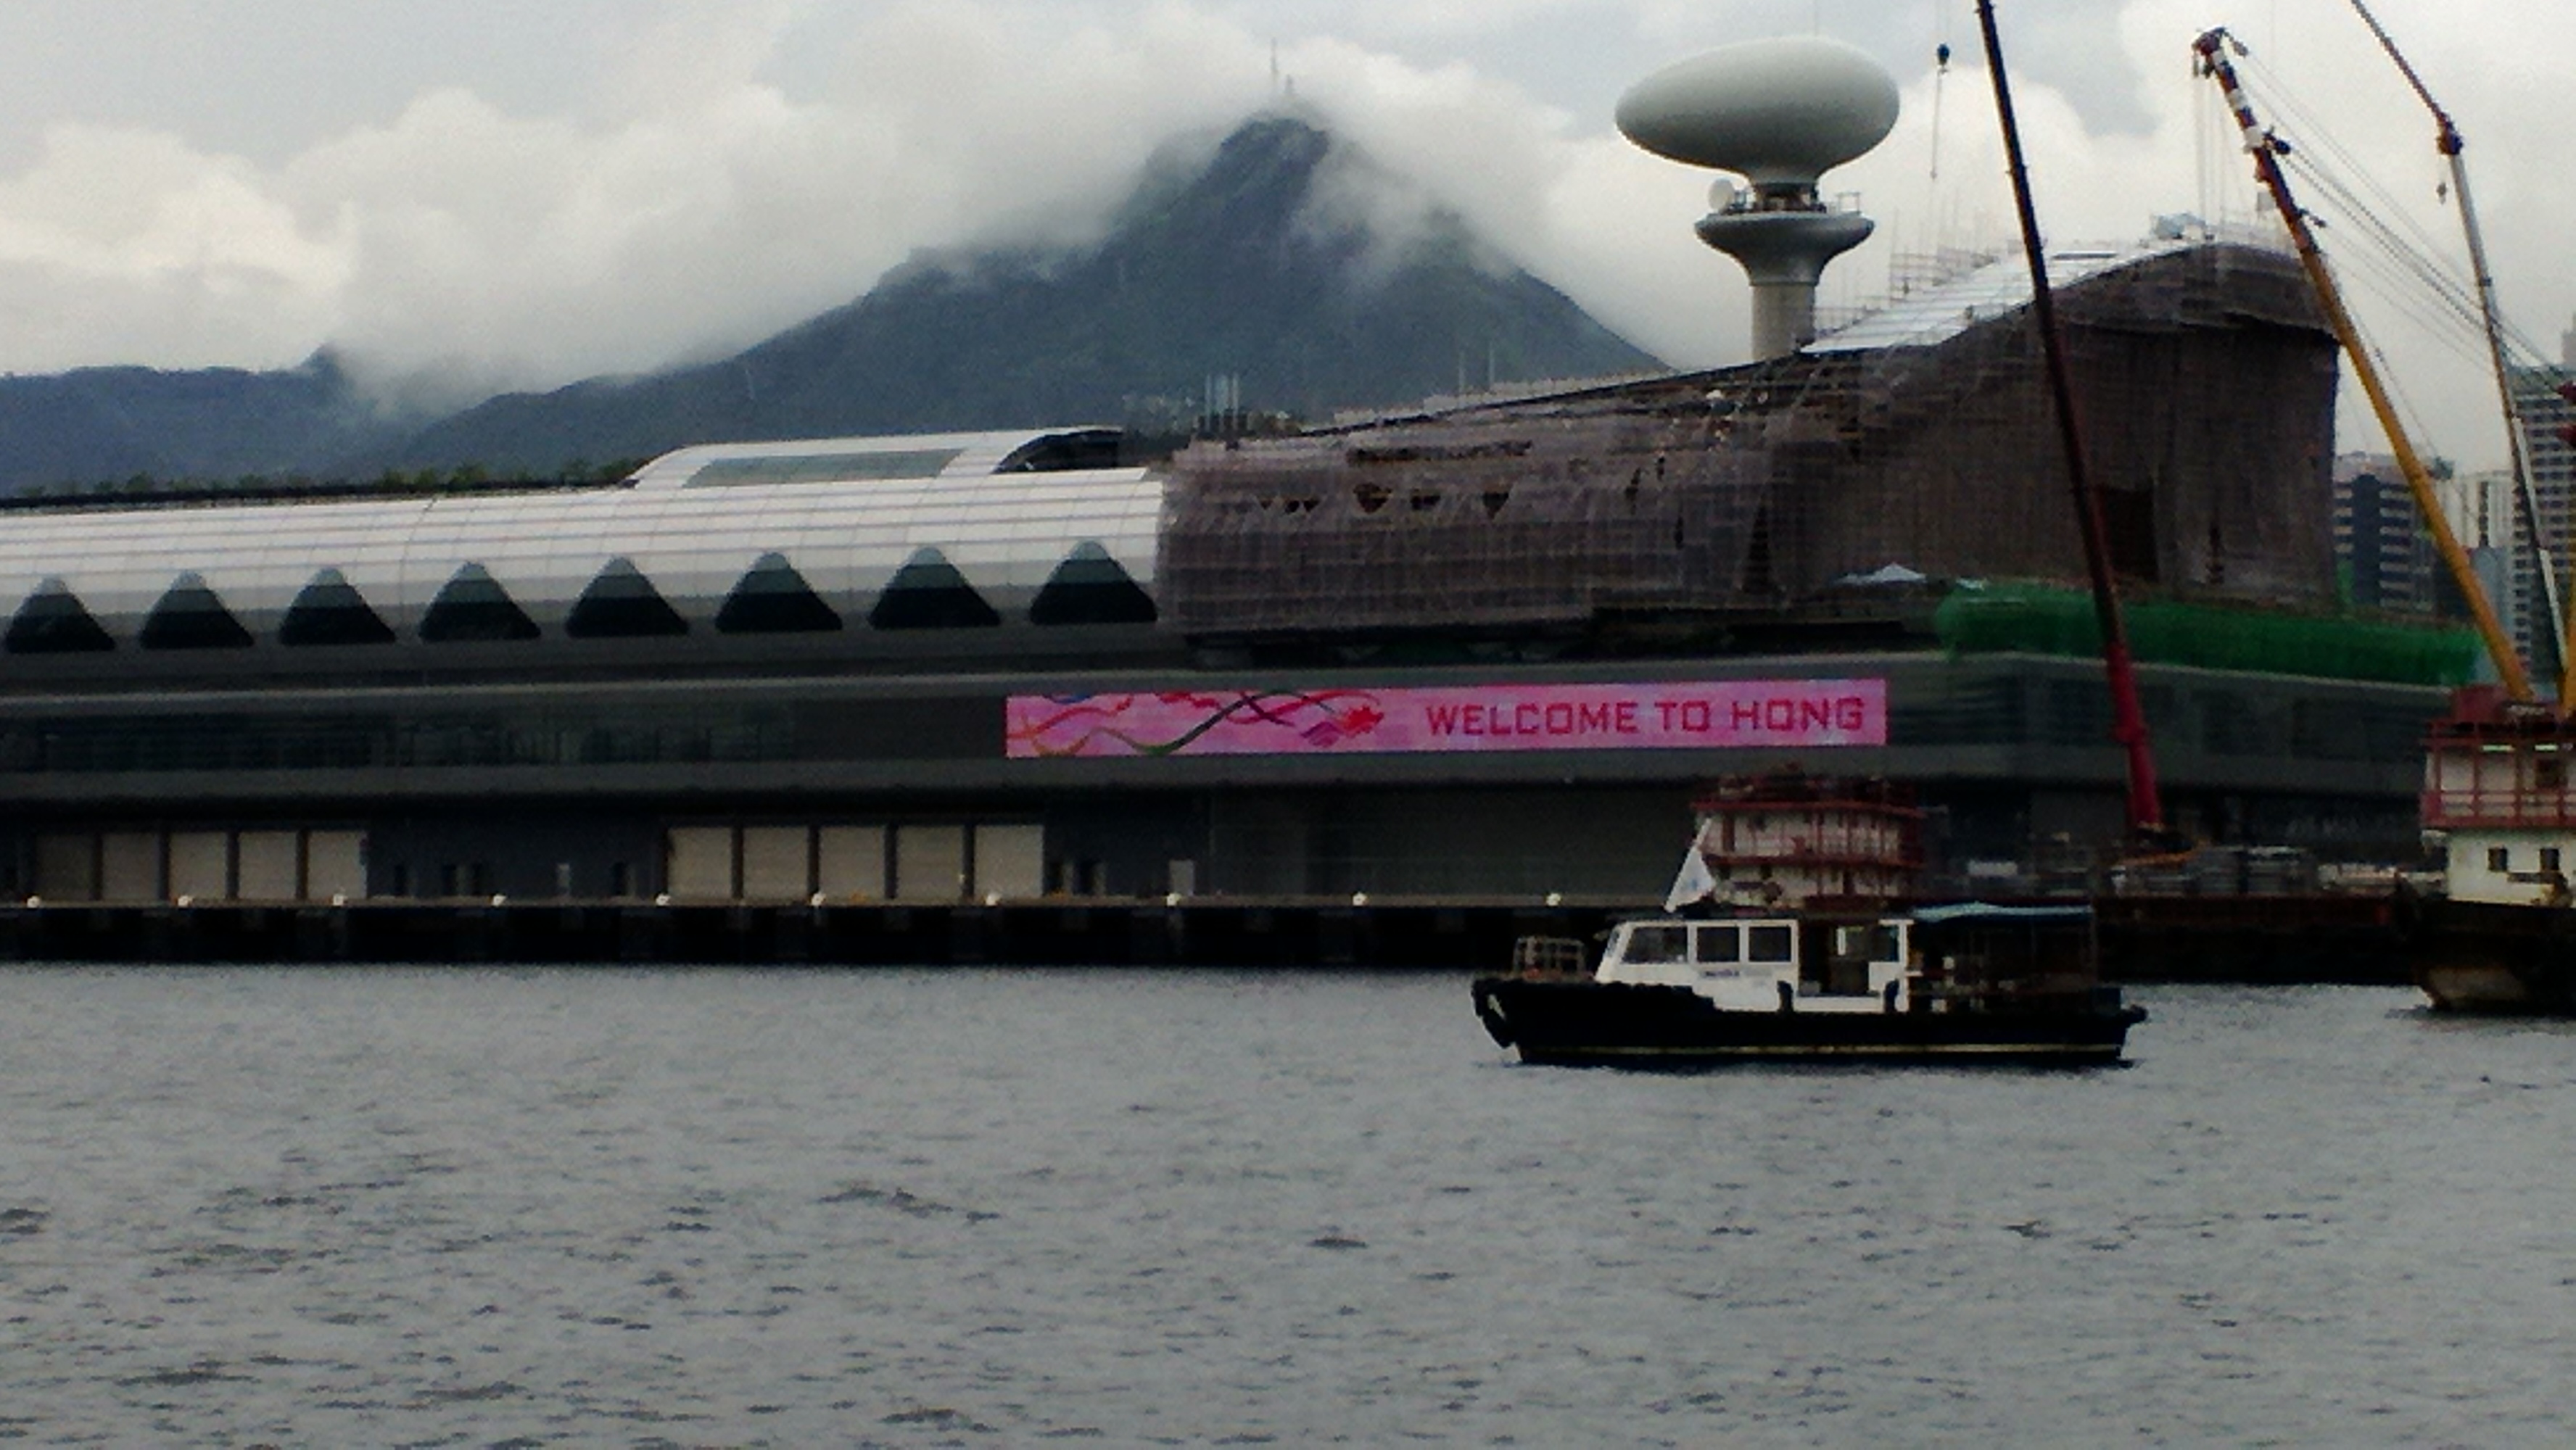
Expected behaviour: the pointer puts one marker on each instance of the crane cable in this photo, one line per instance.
(2430, 294)
(2397, 262)
(2369, 205)
(2265, 147)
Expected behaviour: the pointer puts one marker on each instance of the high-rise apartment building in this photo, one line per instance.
(2382, 553)
(2541, 395)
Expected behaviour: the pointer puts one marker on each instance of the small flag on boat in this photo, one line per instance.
(1693, 884)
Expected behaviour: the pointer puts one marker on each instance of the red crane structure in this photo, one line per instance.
(2128, 717)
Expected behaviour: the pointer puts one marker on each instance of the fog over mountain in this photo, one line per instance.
(1296, 268)
(463, 197)
(1281, 260)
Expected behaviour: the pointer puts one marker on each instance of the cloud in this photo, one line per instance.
(121, 246)
(680, 206)
(709, 172)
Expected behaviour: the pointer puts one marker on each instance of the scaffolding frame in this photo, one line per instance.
(2207, 378)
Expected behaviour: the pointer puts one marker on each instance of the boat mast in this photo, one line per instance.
(2128, 719)
(2447, 141)
(2211, 48)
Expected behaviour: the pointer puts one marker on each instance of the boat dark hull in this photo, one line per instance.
(2475, 956)
(1584, 1022)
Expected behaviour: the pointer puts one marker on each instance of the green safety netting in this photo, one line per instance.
(2040, 619)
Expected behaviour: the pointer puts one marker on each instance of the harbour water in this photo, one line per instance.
(374, 1206)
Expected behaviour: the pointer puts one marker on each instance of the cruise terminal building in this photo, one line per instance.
(1479, 654)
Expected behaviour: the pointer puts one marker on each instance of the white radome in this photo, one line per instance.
(1776, 112)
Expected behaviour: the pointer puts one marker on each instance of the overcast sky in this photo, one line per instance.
(507, 193)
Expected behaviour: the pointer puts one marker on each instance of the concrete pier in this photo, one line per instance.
(1089, 932)
(2255, 939)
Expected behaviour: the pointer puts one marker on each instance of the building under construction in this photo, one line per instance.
(1483, 654)
(1920, 441)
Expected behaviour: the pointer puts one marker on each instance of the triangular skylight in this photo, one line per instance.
(622, 604)
(1090, 588)
(929, 593)
(53, 621)
(189, 616)
(330, 610)
(474, 608)
(772, 598)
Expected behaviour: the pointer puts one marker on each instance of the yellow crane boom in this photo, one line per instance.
(2211, 48)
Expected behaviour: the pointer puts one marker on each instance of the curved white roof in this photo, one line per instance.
(842, 460)
(1998, 288)
(850, 514)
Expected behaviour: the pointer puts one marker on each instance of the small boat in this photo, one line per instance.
(1964, 983)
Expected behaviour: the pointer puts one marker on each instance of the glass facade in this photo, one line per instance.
(427, 736)
(485, 566)
(823, 467)
(1933, 709)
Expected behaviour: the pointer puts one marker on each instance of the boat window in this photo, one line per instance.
(1866, 943)
(1767, 944)
(1718, 943)
(1658, 943)
(2549, 858)
(2499, 859)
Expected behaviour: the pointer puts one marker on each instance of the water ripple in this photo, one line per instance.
(915, 1208)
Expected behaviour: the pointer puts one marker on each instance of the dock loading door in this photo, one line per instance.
(129, 866)
(335, 865)
(929, 863)
(850, 862)
(700, 867)
(937, 861)
(201, 865)
(261, 865)
(266, 868)
(67, 868)
(776, 863)
(1010, 861)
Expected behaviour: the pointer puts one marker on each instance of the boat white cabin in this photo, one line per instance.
(1768, 963)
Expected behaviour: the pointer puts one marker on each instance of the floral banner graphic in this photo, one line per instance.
(1696, 715)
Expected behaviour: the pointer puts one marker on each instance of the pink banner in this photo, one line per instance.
(1696, 715)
